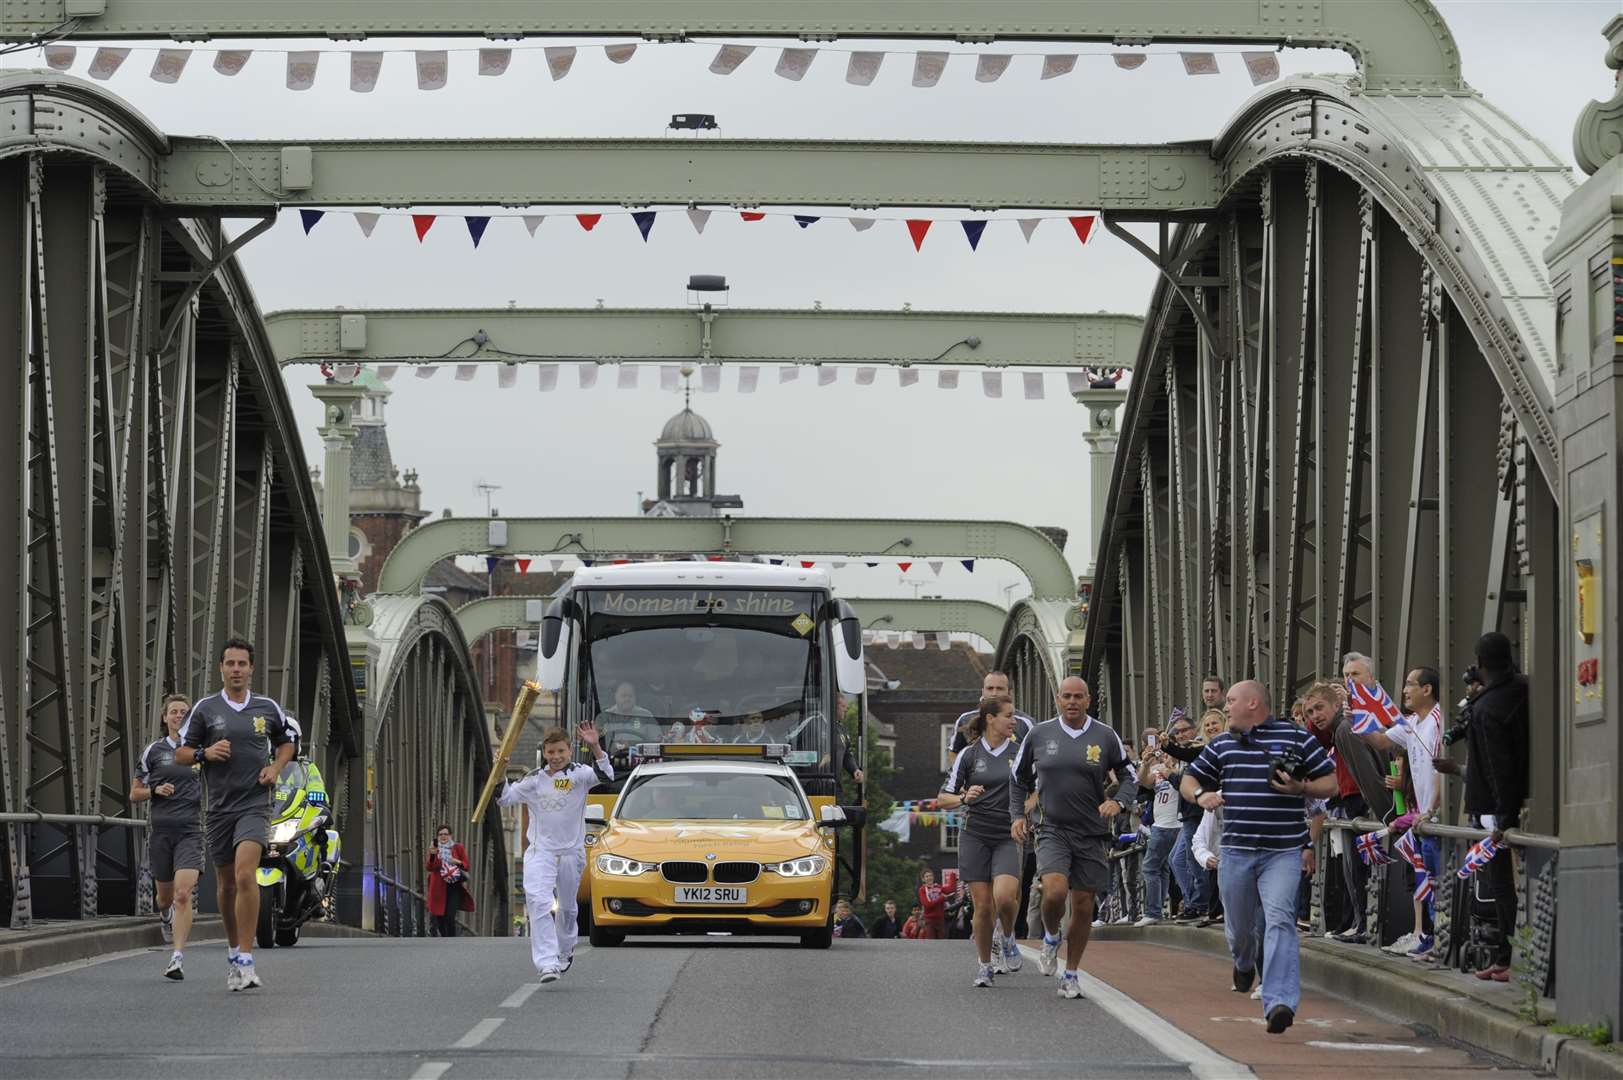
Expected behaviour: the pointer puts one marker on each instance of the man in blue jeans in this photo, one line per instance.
(1182, 749)
(1158, 770)
(1261, 772)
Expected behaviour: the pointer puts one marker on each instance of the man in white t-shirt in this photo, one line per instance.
(1420, 739)
(1165, 828)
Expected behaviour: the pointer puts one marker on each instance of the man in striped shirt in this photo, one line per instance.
(1265, 839)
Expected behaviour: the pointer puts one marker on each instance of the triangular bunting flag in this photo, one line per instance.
(301, 69)
(309, 218)
(507, 376)
(827, 375)
(494, 62)
(477, 227)
(587, 562)
(364, 68)
(1057, 64)
(422, 223)
(861, 224)
(168, 65)
(1199, 63)
(972, 233)
(1077, 381)
(560, 58)
(556, 564)
(710, 378)
(386, 372)
(229, 62)
(967, 564)
(916, 228)
(433, 69)
(991, 67)
(943, 642)
(804, 220)
(466, 372)
(788, 374)
(425, 371)
(1083, 226)
(699, 218)
(533, 222)
(751, 215)
(588, 375)
(837, 564)
(865, 376)
(667, 377)
(870, 565)
(946, 379)
(927, 68)
(775, 562)
(1263, 67)
(523, 565)
(619, 54)
(807, 564)
(713, 558)
(547, 377)
(1033, 385)
(588, 221)
(1128, 61)
(627, 378)
(491, 562)
(992, 383)
(1029, 226)
(907, 376)
(645, 222)
(863, 67)
(367, 222)
(904, 567)
(728, 57)
(747, 379)
(60, 57)
(794, 63)
(106, 62)
(935, 566)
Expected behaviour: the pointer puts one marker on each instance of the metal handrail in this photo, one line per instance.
(1516, 837)
(40, 817)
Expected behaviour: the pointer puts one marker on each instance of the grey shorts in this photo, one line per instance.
(226, 831)
(1080, 858)
(982, 860)
(169, 850)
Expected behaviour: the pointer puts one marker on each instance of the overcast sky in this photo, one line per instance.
(799, 449)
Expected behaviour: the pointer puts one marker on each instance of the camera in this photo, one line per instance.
(1288, 760)
(1462, 721)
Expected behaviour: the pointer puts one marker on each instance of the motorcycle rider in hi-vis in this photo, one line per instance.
(555, 856)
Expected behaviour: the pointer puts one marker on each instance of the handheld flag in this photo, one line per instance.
(1480, 854)
(1371, 709)
(1370, 849)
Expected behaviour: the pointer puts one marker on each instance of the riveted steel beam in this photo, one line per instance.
(897, 337)
(1396, 42)
(202, 173)
(1029, 550)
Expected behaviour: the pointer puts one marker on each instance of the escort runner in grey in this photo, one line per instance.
(985, 848)
(176, 838)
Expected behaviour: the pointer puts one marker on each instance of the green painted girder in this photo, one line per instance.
(1029, 550)
(480, 617)
(610, 334)
(683, 172)
(1398, 43)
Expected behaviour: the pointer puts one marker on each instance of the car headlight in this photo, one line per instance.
(810, 866)
(283, 832)
(620, 866)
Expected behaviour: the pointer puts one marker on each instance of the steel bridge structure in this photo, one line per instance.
(1374, 408)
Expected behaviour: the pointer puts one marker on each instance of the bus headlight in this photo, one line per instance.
(810, 866)
(620, 866)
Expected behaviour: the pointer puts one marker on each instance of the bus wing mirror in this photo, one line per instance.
(552, 667)
(850, 670)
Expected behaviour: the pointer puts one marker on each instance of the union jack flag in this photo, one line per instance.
(1410, 851)
(1371, 850)
(1371, 707)
(1422, 884)
(1480, 854)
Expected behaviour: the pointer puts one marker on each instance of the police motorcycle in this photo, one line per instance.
(299, 868)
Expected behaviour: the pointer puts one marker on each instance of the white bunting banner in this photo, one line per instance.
(1058, 64)
(507, 376)
(533, 222)
(493, 62)
(619, 54)
(794, 63)
(1029, 226)
(301, 70)
(364, 68)
(1263, 67)
(907, 376)
(168, 65)
(229, 62)
(728, 57)
(946, 379)
(106, 62)
(1034, 385)
(839, 564)
(386, 372)
(1076, 381)
(1199, 63)
(627, 379)
(668, 376)
(788, 375)
(935, 566)
(547, 377)
(927, 68)
(992, 383)
(433, 69)
(588, 376)
(425, 371)
(943, 642)
(917, 640)
(466, 372)
(991, 66)
(710, 378)
(1128, 61)
(367, 222)
(556, 564)
(861, 224)
(559, 60)
(827, 376)
(60, 57)
(863, 67)
(748, 377)
(699, 218)
(865, 376)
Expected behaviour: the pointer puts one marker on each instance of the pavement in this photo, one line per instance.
(711, 1007)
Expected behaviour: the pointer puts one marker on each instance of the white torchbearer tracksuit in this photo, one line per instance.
(556, 855)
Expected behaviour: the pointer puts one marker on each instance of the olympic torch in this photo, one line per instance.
(498, 769)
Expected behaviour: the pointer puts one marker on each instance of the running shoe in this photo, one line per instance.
(1012, 960)
(1423, 947)
(1148, 920)
(550, 975)
(999, 965)
(1070, 986)
(233, 977)
(249, 978)
(569, 962)
(1402, 945)
(1256, 995)
(1048, 959)
(983, 975)
(173, 971)
(1125, 920)
(166, 924)
(1100, 922)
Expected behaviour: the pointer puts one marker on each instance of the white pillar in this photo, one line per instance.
(340, 402)
(1102, 439)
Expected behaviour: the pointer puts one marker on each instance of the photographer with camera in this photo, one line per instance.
(1496, 777)
(1261, 773)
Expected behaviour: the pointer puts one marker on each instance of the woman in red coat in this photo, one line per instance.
(447, 882)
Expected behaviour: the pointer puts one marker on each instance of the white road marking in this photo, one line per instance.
(478, 1033)
(431, 1070)
(1204, 1062)
(518, 997)
(1395, 1048)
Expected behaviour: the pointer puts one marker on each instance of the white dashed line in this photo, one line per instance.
(1204, 1062)
(518, 997)
(1393, 1048)
(431, 1070)
(478, 1033)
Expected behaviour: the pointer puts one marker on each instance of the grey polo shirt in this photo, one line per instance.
(1072, 771)
(156, 766)
(254, 730)
(987, 818)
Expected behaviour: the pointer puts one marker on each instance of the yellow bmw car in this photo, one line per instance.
(702, 844)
